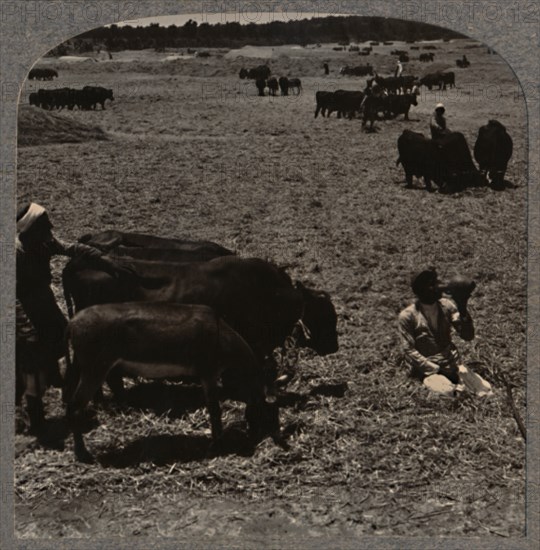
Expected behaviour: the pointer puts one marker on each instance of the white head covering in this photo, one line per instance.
(32, 214)
(25, 223)
(439, 106)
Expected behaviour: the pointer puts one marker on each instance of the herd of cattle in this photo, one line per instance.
(263, 80)
(195, 310)
(42, 74)
(87, 98)
(189, 310)
(348, 103)
(398, 94)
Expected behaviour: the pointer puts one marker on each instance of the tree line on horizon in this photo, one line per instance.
(234, 35)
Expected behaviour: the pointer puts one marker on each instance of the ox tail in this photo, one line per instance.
(67, 274)
(70, 377)
(398, 161)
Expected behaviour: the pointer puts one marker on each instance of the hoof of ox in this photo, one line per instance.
(280, 441)
(85, 457)
(216, 448)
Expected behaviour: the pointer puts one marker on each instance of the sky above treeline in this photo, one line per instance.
(231, 16)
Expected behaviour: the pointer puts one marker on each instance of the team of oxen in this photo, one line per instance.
(447, 161)
(398, 94)
(88, 98)
(263, 80)
(186, 310)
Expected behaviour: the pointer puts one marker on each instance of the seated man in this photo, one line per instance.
(425, 330)
(437, 124)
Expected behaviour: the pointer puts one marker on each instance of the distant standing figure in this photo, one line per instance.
(399, 69)
(326, 69)
(437, 124)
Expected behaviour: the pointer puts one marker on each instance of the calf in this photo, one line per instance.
(295, 83)
(159, 340)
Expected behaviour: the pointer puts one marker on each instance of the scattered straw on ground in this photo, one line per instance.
(40, 127)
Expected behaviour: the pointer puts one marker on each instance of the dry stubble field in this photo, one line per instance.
(192, 153)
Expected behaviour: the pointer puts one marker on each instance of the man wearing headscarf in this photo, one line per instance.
(40, 323)
(425, 329)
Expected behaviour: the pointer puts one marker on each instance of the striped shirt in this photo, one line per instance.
(426, 348)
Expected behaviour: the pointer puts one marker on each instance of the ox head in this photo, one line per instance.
(320, 320)
(110, 95)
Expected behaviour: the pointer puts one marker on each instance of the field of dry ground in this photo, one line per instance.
(192, 152)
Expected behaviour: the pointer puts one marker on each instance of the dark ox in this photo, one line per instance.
(99, 287)
(254, 297)
(392, 84)
(373, 104)
(439, 79)
(33, 99)
(262, 71)
(95, 95)
(108, 240)
(163, 340)
(324, 101)
(361, 70)
(347, 103)
(492, 151)
(395, 105)
(295, 84)
(408, 83)
(344, 102)
(447, 162)
(260, 83)
(284, 85)
(191, 253)
(273, 86)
